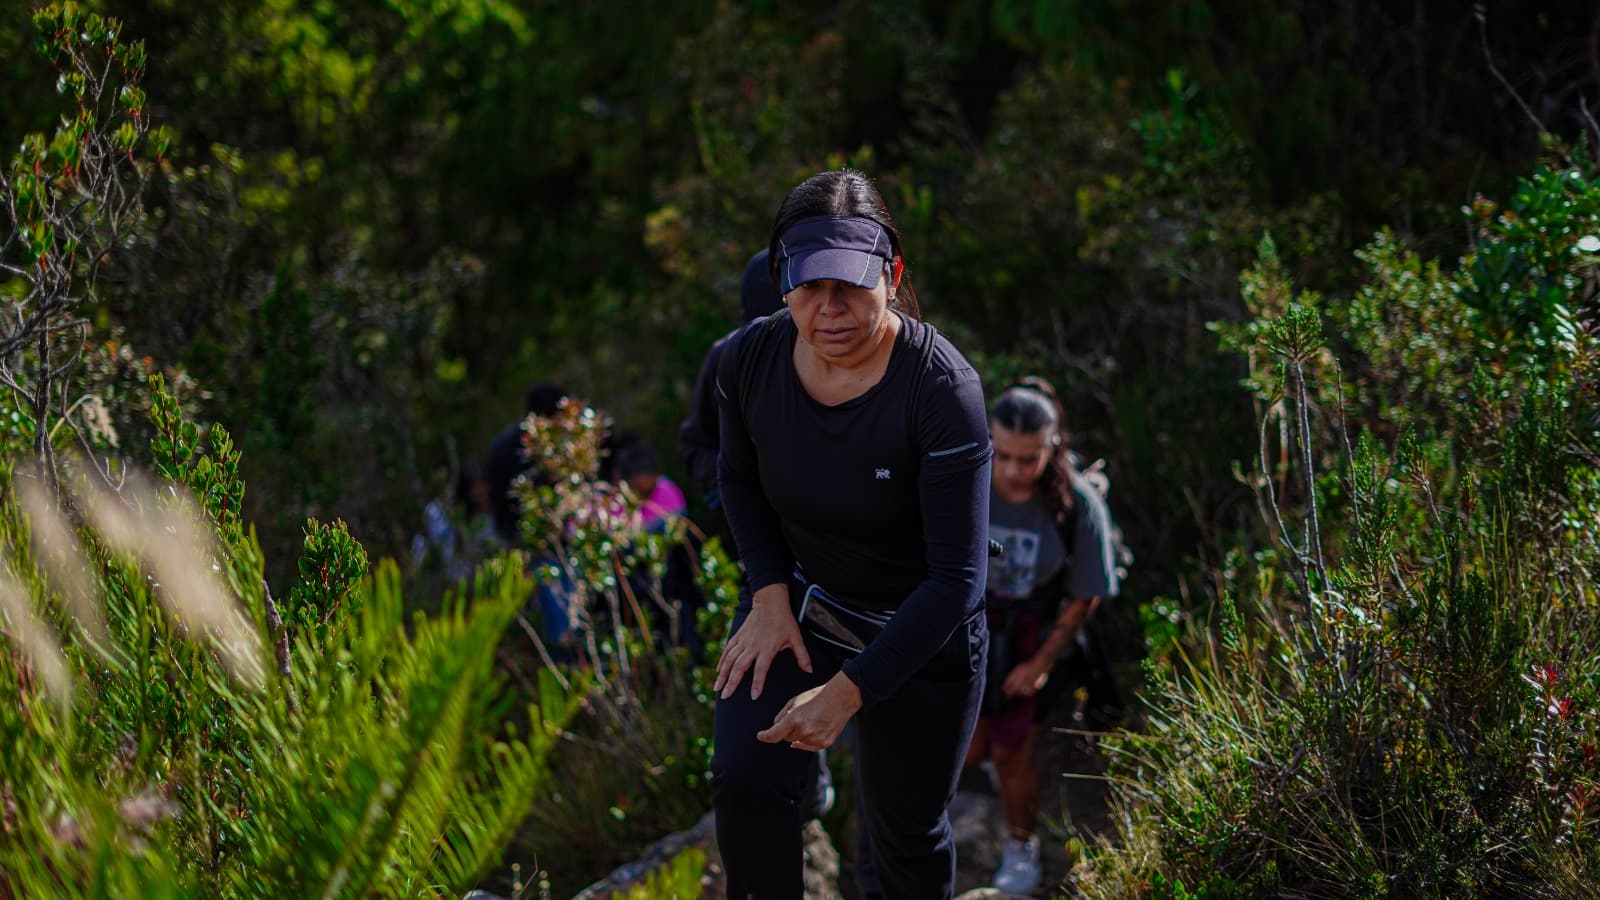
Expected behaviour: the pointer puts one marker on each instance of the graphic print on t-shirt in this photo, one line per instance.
(1012, 575)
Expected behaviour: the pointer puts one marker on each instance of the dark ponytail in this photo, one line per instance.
(842, 193)
(1030, 407)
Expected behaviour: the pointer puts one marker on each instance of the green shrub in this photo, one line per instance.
(69, 201)
(634, 764)
(1398, 693)
(178, 733)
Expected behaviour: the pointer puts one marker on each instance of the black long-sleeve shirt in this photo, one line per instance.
(883, 518)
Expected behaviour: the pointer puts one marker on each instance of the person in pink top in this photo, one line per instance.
(639, 467)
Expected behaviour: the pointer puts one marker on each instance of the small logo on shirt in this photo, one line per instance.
(881, 474)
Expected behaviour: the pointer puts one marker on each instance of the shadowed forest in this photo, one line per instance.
(1316, 283)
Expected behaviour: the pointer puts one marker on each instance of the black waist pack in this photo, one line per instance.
(843, 625)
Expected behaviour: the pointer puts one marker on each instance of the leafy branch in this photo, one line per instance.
(70, 200)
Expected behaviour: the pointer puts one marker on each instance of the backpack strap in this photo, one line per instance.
(929, 333)
(751, 341)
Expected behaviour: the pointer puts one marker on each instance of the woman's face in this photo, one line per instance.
(837, 319)
(1020, 459)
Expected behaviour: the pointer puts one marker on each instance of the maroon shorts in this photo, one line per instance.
(1009, 728)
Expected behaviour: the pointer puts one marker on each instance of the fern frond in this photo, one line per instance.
(488, 808)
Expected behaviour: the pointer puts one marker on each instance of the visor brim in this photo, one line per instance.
(835, 263)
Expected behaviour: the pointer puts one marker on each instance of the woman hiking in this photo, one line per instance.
(855, 476)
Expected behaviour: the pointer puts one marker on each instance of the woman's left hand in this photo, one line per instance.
(1026, 679)
(813, 719)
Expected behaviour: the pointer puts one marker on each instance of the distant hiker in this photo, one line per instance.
(508, 458)
(1059, 564)
(456, 531)
(698, 437)
(638, 465)
(855, 476)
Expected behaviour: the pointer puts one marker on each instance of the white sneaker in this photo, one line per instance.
(988, 768)
(1019, 867)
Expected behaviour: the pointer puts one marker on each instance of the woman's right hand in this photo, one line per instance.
(768, 630)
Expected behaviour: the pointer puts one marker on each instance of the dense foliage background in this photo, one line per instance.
(382, 221)
(377, 222)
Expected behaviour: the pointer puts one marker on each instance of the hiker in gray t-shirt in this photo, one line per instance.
(1059, 563)
(1034, 554)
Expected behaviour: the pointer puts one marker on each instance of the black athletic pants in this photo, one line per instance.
(909, 753)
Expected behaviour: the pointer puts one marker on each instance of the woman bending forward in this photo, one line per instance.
(855, 475)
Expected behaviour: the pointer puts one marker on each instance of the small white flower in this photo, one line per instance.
(1589, 243)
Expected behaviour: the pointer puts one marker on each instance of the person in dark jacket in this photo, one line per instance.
(697, 436)
(854, 472)
(506, 458)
